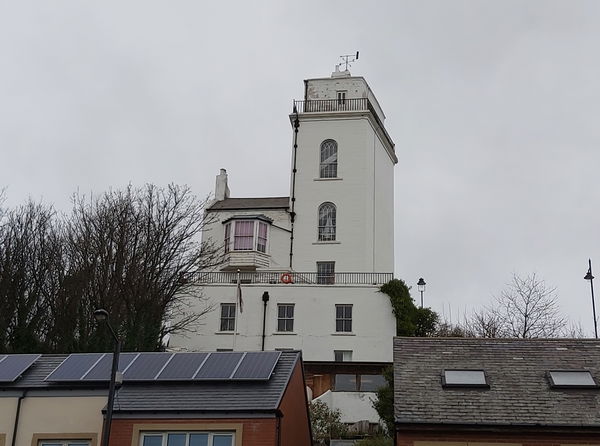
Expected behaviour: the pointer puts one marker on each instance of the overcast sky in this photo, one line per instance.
(494, 107)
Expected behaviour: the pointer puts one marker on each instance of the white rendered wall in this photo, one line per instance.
(314, 332)
(354, 406)
(362, 193)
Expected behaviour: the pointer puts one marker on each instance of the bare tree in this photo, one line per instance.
(484, 323)
(29, 275)
(526, 308)
(133, 252)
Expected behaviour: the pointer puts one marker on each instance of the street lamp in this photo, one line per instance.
(101, 316)
(590, 277)
(421, 287)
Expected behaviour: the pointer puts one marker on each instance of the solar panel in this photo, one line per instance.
(146, 366)
(182, 366)
(101, 370)
(257, 365)
(74, 367)
(220, 365)
(13, 366)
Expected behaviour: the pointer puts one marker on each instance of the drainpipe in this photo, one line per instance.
(265, 299)
(293, 198)
(278, 414)
(17, 416)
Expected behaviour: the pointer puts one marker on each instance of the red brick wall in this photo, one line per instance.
(409, 439)
(295, 429)
(256, 431)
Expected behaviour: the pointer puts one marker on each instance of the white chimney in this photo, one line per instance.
(221, 188)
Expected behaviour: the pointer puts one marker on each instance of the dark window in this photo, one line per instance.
(285, 317)
(343, 318)
(371, 383)
(341, 97)
(345, 383)
(326, 273)
(227, 317)
(342, 355)
(328, 166)
(327, 222)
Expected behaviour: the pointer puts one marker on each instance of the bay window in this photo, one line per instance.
(246, 235)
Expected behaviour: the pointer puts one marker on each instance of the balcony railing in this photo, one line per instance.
(291, 277)
(328, 105)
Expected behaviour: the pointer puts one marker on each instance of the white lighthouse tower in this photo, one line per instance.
(309, 265)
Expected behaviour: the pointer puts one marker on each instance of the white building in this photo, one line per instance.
(310, 265)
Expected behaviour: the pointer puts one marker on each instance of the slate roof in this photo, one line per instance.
(251, 203)
(210, 396)
(519, 393)
(202, 396)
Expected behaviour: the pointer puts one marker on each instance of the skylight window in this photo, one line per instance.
(464, 378)
(571, 379)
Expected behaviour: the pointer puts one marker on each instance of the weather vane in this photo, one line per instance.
(347, 60)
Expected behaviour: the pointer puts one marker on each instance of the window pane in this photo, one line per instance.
(176, 439)
(464, 377)
(370, 383)
(198, 439)
(327, 222)
(328, 166)
(222, 440)
(244, 236)
(152, 440)
(572, 378)
(345, 383)
(79, 444)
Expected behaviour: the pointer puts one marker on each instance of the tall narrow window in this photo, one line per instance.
(341, 97)
(328, 159)
(327, 222)
(261, 241)
(244, 236)
(326, 273)
(343, 318)
(227, 240)
(227, 317)
(285, 317)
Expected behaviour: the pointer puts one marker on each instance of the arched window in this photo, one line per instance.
(328, 168)
(327, 222)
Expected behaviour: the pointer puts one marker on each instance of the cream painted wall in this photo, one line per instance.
(314, 322)
(48, 415)
(354, 406)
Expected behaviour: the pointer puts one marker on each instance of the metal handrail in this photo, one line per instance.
(293, 277)
(328, 105)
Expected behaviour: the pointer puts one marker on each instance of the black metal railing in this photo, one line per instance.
(328, 105)
(291, 277)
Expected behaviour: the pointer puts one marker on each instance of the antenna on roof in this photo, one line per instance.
(347, 61)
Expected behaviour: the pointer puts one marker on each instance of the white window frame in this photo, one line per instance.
(327, 232)
(328, 168)
(165, 434)
(286, 319)
(229, 236)
(325, 277)
(344, 319)
(228, 317)
(62, 442)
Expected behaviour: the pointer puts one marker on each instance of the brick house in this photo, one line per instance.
(45, 405)
(459, 392)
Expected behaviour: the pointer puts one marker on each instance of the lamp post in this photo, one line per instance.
(101, 316)
(590, 277)
(421, 287)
